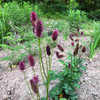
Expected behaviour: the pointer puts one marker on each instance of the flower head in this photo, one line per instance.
(33, 16)
(33, 86)
(48, 50)
(81, 33)
(55, 35)
(83, 49)
(76, 40)
(76, 34)
(59, 55)
(60, 48)
(35, 80)
(39, 28)
(31, 60)
(76, 50)
(78, 29)
(72, 43)
(71, 37)
(21, 66)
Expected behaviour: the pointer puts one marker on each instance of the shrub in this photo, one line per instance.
(75, 18)
(13, 16)
(4, 24)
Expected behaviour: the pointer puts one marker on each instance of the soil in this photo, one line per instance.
(13, 86)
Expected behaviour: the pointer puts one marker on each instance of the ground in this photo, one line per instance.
(13, 86)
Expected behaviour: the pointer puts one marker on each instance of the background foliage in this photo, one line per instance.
(90, 6)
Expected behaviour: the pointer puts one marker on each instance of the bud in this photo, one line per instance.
(72, 43)
(83, 49)
(77, 45)
(78, 29)
(59, 55)
(55, 35)
(72, 34)
(48, 50)
(76, 34)
(39, 28)
(33, 86)
(35, 80)
(81, 33)
(76, 40)
(31, 60)
(33, 16)
(60, 48)
(69, 65)
(76, 50)
(21, 66)
(71, 38)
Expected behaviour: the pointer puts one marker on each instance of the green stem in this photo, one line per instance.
(28, 86)
(74, 61)
(48, 80)
(45, 56)
(52, 52)
(71, 59)
(33, 71)
(40, 60)
(40, 56)
(79, 58)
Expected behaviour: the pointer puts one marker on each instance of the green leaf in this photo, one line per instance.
(63, 99)
(43, 98)
(6, 58)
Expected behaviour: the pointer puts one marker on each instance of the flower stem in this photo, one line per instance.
(52, 52)
(40, 57)
(45, 56)
(40, 60)
(28, 86)
(48, 80)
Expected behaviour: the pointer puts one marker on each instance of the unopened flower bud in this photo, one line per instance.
(83, 49)
(35, 80)
(81, 33)
(72, 43)
(71, 38)
(55, 35)
(21, 66)
(76, 40)
(33, 86)
(31, 60)
(59, 55)
(48, 50)
(76, 50)
(78, 29)
(60, 48)
(76, 34)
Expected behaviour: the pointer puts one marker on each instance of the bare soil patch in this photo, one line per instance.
(13, 86)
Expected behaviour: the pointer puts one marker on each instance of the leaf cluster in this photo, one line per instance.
(68, 78)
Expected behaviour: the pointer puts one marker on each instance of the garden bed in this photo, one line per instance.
(13, 86)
